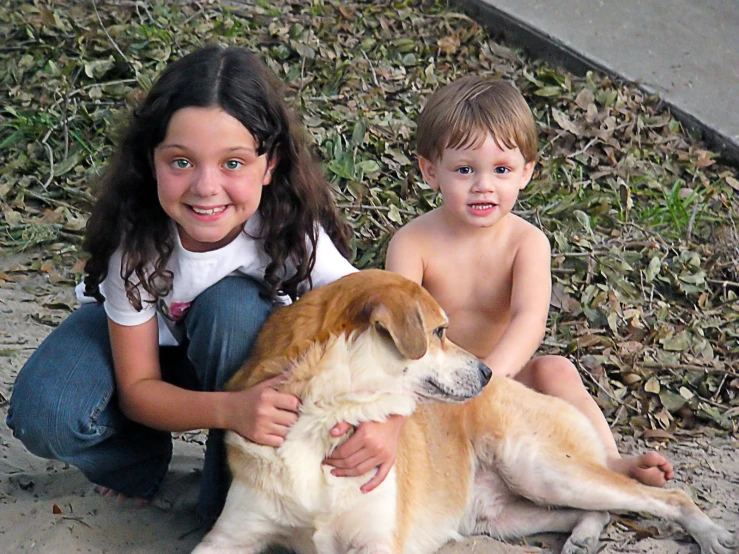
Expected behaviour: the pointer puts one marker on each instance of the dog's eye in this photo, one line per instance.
(439, 332)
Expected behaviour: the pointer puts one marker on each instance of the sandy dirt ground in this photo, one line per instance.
(48, 507)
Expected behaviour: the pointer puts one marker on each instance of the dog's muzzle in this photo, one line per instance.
(469, 385)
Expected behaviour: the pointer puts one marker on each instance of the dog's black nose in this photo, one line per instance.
(485, 373)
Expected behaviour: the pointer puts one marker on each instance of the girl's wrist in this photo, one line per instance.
(224, 410)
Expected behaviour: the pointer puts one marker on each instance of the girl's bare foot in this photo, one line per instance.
(651, 468)
(119, 496)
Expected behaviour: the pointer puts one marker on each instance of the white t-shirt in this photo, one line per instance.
(193, 272)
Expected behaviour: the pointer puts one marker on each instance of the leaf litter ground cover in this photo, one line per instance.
(641, 216)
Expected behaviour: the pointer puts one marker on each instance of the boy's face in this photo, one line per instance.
(479, 185)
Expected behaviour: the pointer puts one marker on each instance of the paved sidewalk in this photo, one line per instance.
(687, 51)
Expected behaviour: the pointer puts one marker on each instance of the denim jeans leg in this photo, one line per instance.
(222, 325)
(63, 406)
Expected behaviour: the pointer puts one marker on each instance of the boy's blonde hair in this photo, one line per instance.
(461, 113)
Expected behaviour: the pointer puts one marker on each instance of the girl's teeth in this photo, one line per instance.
(208, 211)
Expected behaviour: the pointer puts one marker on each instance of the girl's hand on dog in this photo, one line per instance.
(264, 414)
(374, 444)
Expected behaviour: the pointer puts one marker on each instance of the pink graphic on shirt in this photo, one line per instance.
(177, 310)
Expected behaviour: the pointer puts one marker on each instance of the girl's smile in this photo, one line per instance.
(209, 176)
(205, 212)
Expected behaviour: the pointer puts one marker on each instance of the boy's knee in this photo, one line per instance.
(550, 372)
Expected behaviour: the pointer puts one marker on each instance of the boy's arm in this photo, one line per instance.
(403, 256)
(530, 296)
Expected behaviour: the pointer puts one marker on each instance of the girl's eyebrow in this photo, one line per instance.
(176, 146)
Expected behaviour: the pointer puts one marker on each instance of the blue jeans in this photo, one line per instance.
(64, 405)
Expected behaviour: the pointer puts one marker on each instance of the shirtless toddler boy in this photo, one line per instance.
(488, 268)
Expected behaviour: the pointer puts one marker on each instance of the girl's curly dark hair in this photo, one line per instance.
(128, 214)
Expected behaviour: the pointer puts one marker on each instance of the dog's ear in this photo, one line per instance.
(406, 327)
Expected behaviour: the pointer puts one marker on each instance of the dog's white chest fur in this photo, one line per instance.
(295, 473)
(294, 490)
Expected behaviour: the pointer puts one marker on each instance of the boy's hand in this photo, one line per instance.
(263, 414)
(373, 445)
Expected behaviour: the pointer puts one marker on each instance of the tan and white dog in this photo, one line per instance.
(508, 463)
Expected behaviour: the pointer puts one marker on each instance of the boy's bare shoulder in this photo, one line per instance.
(409, 248)
(523, 232)
(418, 228)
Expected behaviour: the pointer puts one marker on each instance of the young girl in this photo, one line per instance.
(212, 211)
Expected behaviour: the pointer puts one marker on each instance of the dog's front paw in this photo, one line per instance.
(586, 534)
(718, 541)
(580, 545)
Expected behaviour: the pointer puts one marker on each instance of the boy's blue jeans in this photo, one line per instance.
(64, 405)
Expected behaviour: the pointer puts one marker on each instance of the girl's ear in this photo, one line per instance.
(429, 172)
(528, 171)
(271, 166)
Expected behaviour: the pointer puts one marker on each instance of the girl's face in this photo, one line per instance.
(209, 176)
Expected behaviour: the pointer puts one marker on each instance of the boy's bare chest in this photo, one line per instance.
(471, 280)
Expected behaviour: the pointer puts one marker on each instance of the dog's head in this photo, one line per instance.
(406, 328)
(371, 332)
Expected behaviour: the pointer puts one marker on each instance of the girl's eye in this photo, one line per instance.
(233, 164)
(466, 170)
(181, 163)
(501, 170)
